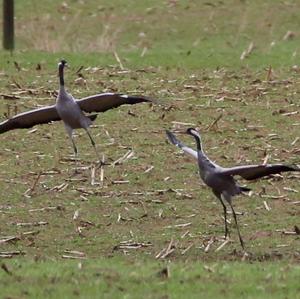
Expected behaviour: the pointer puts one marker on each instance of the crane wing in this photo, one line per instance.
(252, 172)
(182, 146)
(30, 118)
(105, 101)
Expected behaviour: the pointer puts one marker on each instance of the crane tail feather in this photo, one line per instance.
(245, 189)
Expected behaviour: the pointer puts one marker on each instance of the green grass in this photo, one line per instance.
(192, 65)
(187, 34)
(118, 278)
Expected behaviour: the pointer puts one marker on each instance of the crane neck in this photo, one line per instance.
(198, 142)
(62, 89)
(61, 75)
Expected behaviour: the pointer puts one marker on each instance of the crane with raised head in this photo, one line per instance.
(221, 180)
(70, 110)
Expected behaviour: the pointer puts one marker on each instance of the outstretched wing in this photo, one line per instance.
(30, 118)
(252, 172)
(182, 146)
(105, 101)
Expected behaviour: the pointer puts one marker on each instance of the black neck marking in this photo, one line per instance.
(61, 74)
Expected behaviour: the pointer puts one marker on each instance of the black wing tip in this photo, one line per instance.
(9, 125)
(2, 127)
(169, 135)
(139, 99)
(292, 168)
(274, 169)
(172, 138)
(284, 167)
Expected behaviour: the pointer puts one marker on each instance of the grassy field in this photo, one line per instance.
(120, 278)
(151, 228)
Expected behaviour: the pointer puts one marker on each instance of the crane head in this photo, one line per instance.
(62, 63)
(193, 132)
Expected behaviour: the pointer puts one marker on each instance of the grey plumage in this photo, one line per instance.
(70, 110)
(95, 103)
(221, 180)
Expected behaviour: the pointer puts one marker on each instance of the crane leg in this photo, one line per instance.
(70, 133)
(225, 218)
(74, 146)
(93, 144)
(237, 227)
